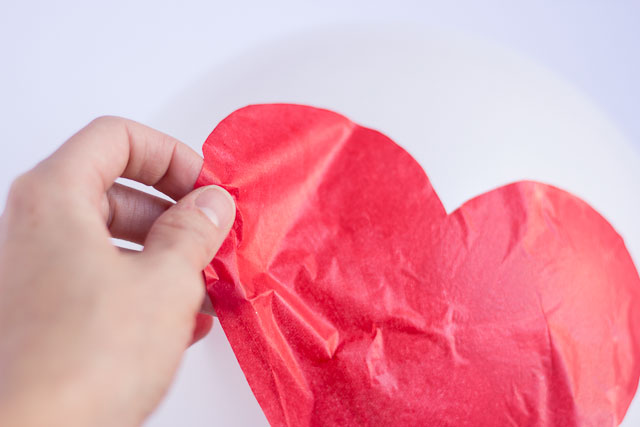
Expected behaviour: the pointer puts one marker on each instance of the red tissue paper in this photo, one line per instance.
(351, 297)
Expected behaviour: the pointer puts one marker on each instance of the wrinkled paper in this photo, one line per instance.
(350, 296)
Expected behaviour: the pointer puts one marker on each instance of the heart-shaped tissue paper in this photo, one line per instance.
(351, 297)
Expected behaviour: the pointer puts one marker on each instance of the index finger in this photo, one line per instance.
(112, 147)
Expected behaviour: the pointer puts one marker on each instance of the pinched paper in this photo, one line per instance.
(350, 296)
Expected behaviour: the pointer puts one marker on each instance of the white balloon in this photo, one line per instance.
(475, 116)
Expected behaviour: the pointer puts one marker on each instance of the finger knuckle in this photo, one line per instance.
(24, 192)
(23, 182)
(106, 120)
(109, 123)
(192, 227)
(190, 221)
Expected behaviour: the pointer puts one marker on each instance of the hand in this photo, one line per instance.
(91, 334)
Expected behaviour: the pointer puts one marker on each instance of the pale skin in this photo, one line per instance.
(92, 335)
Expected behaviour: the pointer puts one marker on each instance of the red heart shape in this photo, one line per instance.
(350, 297)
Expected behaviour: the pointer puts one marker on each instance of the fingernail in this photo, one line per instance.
(217, 205)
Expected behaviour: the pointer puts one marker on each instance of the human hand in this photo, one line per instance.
(91, 334)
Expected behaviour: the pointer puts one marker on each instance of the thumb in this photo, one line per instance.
(194, 228)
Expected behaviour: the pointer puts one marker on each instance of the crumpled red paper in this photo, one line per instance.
(350, 297)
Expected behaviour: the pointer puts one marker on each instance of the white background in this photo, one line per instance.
(64, 63)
